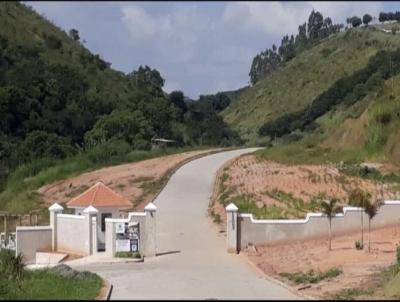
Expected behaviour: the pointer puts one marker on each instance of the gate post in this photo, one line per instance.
(54, 210)
(89, 213)
(110, 237)
(232, 228)
(150, 244)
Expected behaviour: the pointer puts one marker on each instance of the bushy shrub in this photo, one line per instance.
(128, 255)
(108, 151)
(358, 245)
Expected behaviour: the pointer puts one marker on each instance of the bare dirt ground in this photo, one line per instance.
(262, 179)
(358, 266)
(139, 181)
(252, 176)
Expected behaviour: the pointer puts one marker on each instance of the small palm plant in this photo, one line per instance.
(330, 209)
(371, 209)
(359, 198)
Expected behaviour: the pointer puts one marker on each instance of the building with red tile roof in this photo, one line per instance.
(99, 196)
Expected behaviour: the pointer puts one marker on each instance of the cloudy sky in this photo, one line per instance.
(199, 47)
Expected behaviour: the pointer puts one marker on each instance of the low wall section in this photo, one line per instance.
(72, 234)
(29, 240)
(250, 230)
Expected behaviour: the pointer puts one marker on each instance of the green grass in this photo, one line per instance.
(351, 293)
(247, 204)
(298, 153)
(296, 207)
(216, 217)
(45, 284)
(128, 255)
(311, 276)
(18, 283)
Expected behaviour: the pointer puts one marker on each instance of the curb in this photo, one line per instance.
(107, 293)
(276, 281)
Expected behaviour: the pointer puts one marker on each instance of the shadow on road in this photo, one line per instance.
(167, 253)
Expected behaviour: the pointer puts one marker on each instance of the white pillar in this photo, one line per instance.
(89, 212)
(232, 228)
(150, 242)
(54, 210)
(110, 238)
(94, 235)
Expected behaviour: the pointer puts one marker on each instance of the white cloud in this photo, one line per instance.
(139, 23)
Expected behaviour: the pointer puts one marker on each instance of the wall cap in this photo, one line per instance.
(309, 215)
(231, 208)
(151, 207)
(56, 208)
(90, 210)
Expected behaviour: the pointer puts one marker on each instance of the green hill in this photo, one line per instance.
(338, 100)
(295, 85)
(64, 110)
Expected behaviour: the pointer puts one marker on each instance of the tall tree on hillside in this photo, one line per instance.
(355, 21)
(74, 34)
(315, 22)
(366, 19)
(371, 209)
(359, 198)
(330, 209)
(301, 38)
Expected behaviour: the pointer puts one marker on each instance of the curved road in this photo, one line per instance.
(192, 261)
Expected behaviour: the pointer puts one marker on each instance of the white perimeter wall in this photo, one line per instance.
(73, 234)
(32, 239)
(314, 225)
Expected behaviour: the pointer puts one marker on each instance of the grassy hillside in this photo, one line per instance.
(295, 85)
(26, 29)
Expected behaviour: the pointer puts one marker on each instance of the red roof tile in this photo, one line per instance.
(99, 196)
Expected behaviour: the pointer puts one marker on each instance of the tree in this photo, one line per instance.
(315, 22)
(355, 21)
(383, 17)
(366, 19)
(74, 34)
(358, 198)
(330, 209)
(371, 209)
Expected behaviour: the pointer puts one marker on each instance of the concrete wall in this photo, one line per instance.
(147, 231)
(29, 240)
(115, 213)
(250, 230)
(110, 235)
(72, 234)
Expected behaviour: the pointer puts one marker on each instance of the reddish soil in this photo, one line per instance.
(128, 179)
(252, 176)
(357, 265)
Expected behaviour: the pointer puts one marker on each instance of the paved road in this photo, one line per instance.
(193, 262)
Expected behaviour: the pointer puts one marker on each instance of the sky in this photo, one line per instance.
(198, 47)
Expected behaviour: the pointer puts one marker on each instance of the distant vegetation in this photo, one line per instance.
(308, 35)
(58, 100)
(348, 90)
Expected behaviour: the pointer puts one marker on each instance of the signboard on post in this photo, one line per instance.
(127, 237)
(120, 228)
(123, 245)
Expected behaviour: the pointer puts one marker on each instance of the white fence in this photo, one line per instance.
(243, 229)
